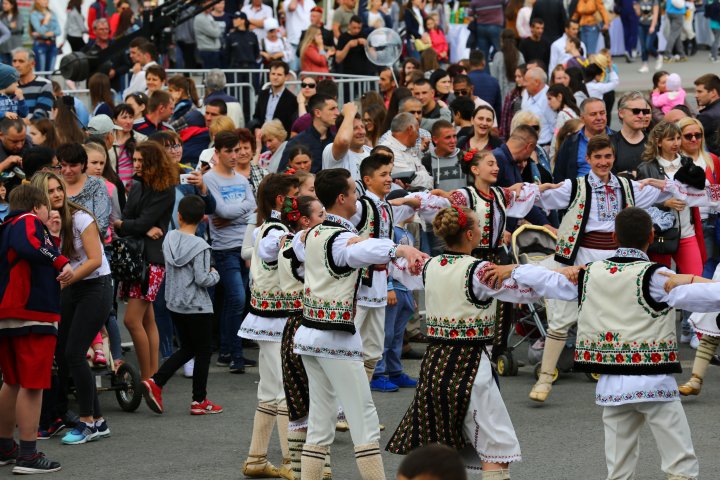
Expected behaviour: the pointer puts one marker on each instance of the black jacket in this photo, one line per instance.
(146, 208)
(710, 119)
(286, 111)
(554, 15)
(566, 162)
(243, 49)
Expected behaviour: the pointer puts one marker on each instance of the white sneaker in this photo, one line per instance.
(694, 342)
(188, 368)
(685, 338)
(644, 68)
(658, 63)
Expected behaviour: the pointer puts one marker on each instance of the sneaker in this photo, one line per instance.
(383, 384)
(102, 428)
(38, 463)
(237, 367)
(223, 360)
(694, 342)
(82, 433)
(54, 428)
(153, 395)
(204, 408)
(644, 68)
(188, 368)
(6, 458)
(685, 338)
(99, 359)
(658, 63)
(249, 362)
(403, 381)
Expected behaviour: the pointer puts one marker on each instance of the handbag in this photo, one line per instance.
(127, 259)
(666, 242)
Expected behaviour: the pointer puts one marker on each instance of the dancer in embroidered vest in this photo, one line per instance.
(626, 332)
(585, 234)
(301, 213)
(457, 401)
(492, 205)
(264, 324)
(327, 340)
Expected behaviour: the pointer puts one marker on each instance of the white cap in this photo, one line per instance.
(270, 24)
(101, 125)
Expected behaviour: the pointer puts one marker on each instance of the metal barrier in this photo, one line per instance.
(243, 84)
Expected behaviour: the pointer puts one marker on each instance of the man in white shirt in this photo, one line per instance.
(348, 149)
(297, 19)
(257, 12)
(142, 54)
(534, 99)
(403, 137)
(558, 55)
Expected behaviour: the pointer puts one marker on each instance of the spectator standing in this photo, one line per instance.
(505, 62)
(155, 77)
(481, 137)
(488, 20)
(586, 13)
(147, 215)
(208, 35)
(45, 31)
(629, 142)
(186, 45)
(117, 66)
(13, 144)
(554, 16)
(101, 95)
(313, 57)
(522, 23)
(235, 205)
(535, 46)
(246, 154)
(160, 109)
(121, 154)
(243, 45)
(348, 148)
(97, 10)
(438, 40)
(534, 99)
(276, 101)
(676, 17)
(707, 93)
(274, 136)
(10, 17)
(414, 25)
(297, 20)
(274, 46)
(386, 84)
(257, 12)
(648, 12)
(75, 25)
(402, 139)
(571, 160)
(485, 86)
(185, 99)
(558, 50)
(350, 54)
(324, 111)
(341, 17)
(316, 18)
(443, 160)
(37, 91)
(142, 54)
(432, 111)
(376, 16)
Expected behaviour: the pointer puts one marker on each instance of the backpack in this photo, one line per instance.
(127, 259)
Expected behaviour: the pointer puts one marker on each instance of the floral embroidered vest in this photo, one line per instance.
(291, 282)
(453, 313)
(621, 329)
(329, 297)
(485, 210)
(369, 227)
(266, 299)
(572, 227)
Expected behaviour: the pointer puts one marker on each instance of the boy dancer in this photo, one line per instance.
(331, 348)
(29, 314)
(626, 332)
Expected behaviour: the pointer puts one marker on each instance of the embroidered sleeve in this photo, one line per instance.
(397, 269)
(708, 197)
(556, 198)
(509, 291)
(520, 205)
(458, 199)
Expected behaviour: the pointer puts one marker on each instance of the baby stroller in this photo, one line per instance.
(531, 244)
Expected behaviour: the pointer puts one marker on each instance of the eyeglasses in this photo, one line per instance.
(462, 92)
(308, 85)
(693, 136)
(638, 111)
(174, 146)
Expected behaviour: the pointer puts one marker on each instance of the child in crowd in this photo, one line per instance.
(12, 102)
(29, 266)
(307, 183)
(187, 278)
(673, 96)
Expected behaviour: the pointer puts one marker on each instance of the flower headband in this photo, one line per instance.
(469, 155)
(290, 171)
(462, 218)
(292, 212)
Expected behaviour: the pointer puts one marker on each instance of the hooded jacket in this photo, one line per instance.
(187, 273)
(445, 171)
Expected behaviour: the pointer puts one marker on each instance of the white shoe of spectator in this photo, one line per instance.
(658, 63)
(188, 368)
(694, 341)
(644, 68)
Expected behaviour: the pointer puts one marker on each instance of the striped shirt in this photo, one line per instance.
(39, 97)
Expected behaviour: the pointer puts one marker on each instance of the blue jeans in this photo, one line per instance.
(164, 323)
(711, 247)
(589, 35)
(396, 319)
(647, 42)
(210, 59)
(230, 266)
(487, 36)
(45, 55)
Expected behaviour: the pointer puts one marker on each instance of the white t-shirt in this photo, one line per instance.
(351, 161)
(262, 14)
(297, 21)
(81, 221)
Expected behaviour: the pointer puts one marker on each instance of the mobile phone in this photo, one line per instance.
(184, 178)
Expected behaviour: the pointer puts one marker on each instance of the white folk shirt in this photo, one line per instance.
(538, 104)
(614, 390)
(406, 161)
(333, 343)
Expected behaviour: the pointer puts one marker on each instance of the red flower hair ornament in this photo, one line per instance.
(469, 155)
(290, 171)
(292, 212)
(462, 218)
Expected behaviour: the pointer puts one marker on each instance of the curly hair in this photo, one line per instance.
(446, 224)
(159, 172)
(661, 131)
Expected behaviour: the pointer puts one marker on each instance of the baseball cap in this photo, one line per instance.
(317, 10)
(240, 14)
(101, 125)
(270, 24)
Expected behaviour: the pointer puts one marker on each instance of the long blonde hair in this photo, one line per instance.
(661, 131)
(310, 35)
(702, 153)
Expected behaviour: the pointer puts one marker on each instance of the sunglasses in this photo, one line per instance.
(462, 92)
(693, 136)
(638, 111)
(308, 85)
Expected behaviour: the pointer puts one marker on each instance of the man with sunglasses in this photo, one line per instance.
(629, 142)
(463, 87)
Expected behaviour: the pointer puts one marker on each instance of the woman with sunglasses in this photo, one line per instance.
(308, 88)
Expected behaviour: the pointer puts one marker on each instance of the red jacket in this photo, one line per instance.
(313, 61)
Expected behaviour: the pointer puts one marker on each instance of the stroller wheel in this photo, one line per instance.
(129, 393)
(507, 366)
(593, 377)
(538, 367)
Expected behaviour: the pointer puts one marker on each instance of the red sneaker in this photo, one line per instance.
(153, 395)
(205, 407)
(99, 359)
